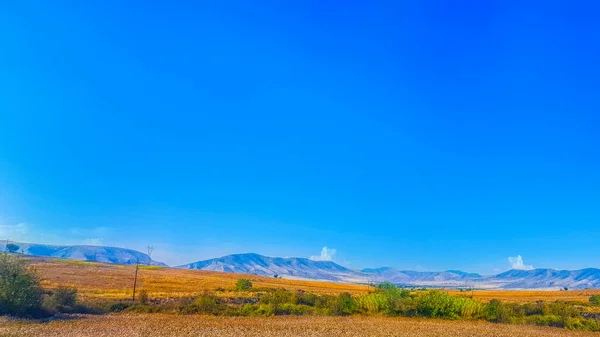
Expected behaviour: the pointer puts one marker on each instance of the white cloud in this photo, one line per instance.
(517, 263)
(326, 255)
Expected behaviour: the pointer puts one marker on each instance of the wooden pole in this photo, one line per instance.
(137, 267)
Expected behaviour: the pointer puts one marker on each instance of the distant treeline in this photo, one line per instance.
(21, 295)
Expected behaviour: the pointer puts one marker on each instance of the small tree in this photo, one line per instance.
(386, 286)
(243, 285)
(20, 291)
(12, 248)
(63, 298)
(595, 299)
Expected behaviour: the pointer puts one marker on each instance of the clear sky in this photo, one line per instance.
(425, 135)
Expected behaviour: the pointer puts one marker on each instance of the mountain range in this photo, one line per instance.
(302, 268)
(85, 253)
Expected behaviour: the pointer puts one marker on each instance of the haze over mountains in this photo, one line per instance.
(302, 268)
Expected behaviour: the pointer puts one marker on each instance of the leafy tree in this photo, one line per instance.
(20, 291)
(595, 299)
(12, 248)
(243, 285)
(386, 286)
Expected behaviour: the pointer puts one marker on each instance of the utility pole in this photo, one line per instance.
(137, 268)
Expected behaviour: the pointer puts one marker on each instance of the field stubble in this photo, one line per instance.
(133, 325)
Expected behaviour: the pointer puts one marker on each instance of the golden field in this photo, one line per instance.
(95, 280)
(130, 325)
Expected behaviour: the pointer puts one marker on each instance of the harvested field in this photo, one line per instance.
(105, 281)
(177, 325)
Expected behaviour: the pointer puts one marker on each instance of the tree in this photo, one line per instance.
(12, 248)
(243, 285)
(386, 286)
(20, 291)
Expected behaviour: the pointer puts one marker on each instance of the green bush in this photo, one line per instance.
(438, 304)
(347, 304)
(206, 303)
(20, 291)
(265, 310)
(595, 300)
(243, 285)
(545, 320)
(293, 309)
(63, 299)
(373, 303)
(584, 324)
(307, 299)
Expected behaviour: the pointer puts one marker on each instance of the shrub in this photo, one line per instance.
(347, 304)
(63, 299)
(438, 304)
(545, 320)
(206, 303)
(143, 297)
(583, 324)
(293, 309)
(265, 310)
(307, 299)
(373, 303)
(595, 300)
(20, 292)
(279, 298)
(243, 285)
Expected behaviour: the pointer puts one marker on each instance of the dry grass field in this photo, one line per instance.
(94, 280)
(130, 325)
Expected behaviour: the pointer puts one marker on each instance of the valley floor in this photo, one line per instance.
(130, 325)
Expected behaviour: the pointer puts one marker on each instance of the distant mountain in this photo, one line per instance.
(300, 268)
(85, 253)
(548, 278)
(408, 277)
(294, 267)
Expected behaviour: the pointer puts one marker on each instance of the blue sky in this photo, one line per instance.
(420, 135)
